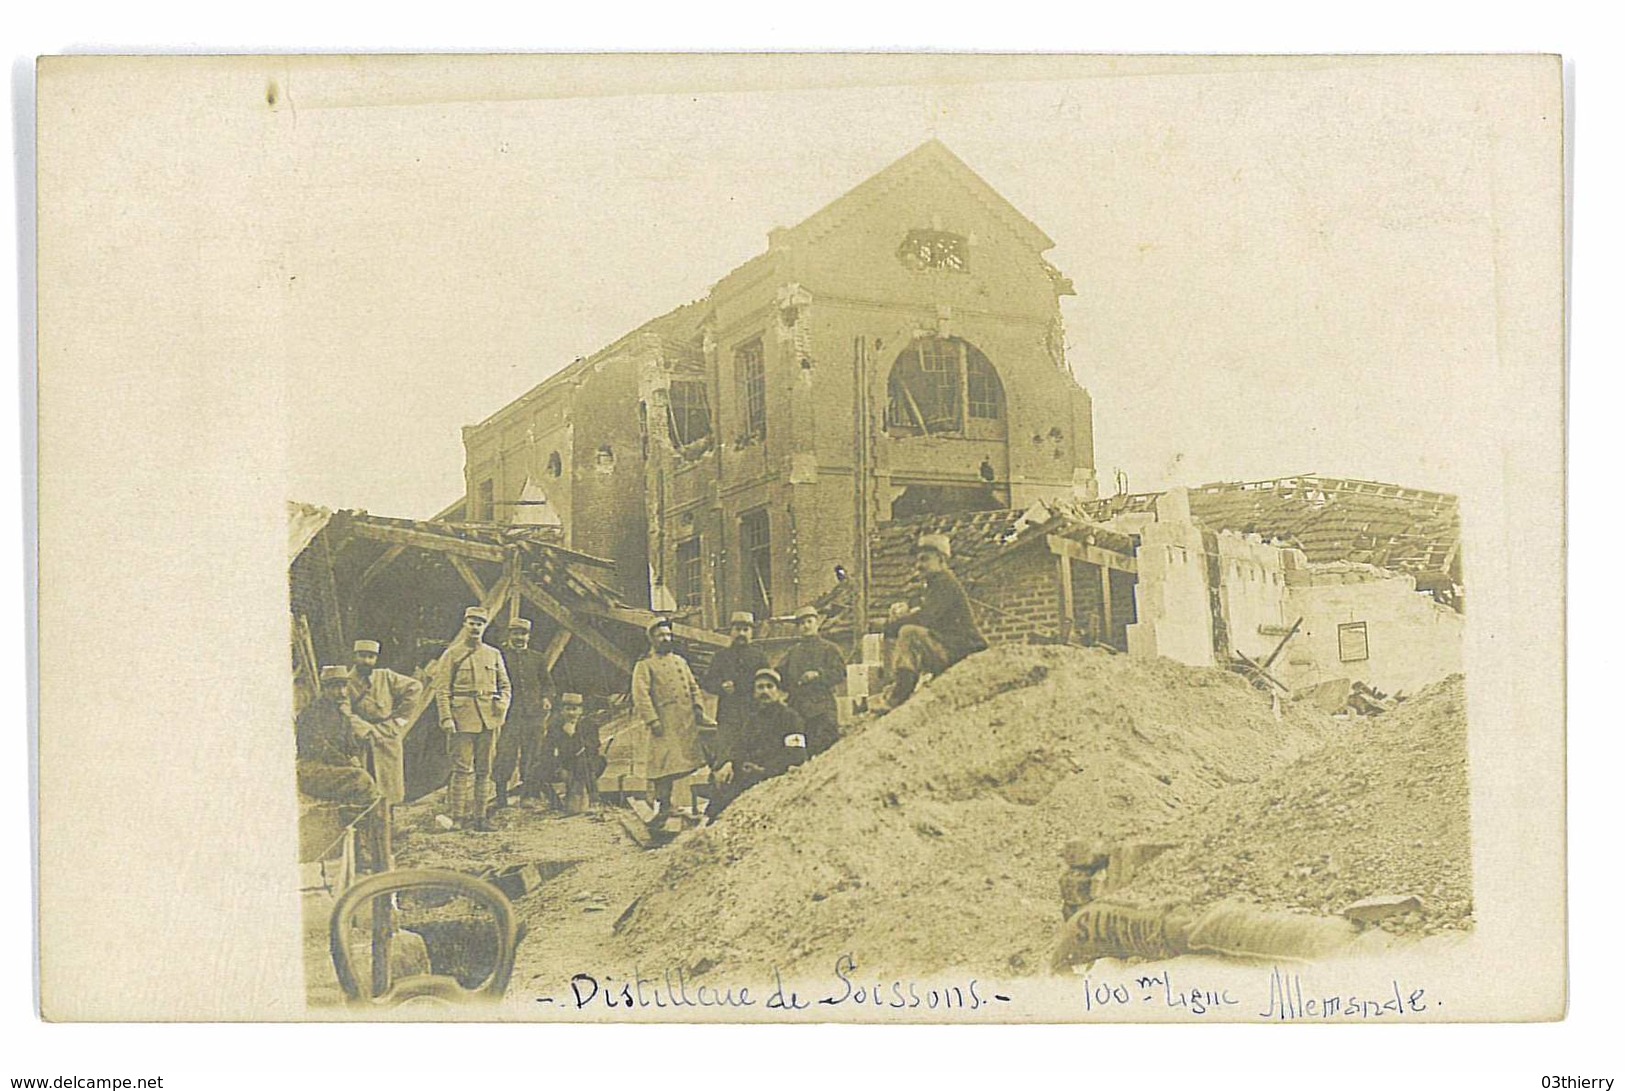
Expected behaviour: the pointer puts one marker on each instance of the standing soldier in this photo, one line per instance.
(473, 704)
(666, 700)
(383, 699)
(522, 746)
(939, 630)
(812, 670)
(732, 671)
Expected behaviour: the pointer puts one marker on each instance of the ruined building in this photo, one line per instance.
(897, 354)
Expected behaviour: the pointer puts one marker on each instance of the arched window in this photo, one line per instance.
(938, 384)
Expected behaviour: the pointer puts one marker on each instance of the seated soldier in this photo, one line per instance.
(773, 738)
(938, 631)
(331, 749)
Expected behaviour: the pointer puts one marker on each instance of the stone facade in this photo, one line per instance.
(897, 353)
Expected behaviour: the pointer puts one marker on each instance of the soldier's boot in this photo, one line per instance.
(458, 797)
(477, 818)
(901, 690)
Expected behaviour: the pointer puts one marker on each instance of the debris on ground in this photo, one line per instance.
(1374, 827)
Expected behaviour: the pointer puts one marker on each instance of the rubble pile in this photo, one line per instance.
(1380, 813)
(928, 839)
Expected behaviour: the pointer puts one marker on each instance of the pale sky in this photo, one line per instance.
(1282, 267)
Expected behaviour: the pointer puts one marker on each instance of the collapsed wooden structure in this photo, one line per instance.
(405, 583)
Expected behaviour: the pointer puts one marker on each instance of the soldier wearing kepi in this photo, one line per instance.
(732, 670)
(331, 750)
(939, 630)
(812, 670)
(383, 699)
(472, 704)
(522, 746)
(666, 700)
(772, 739)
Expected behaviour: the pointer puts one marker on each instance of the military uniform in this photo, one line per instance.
(772, 739)
(472, 704)
(523, 746)
(666, 699)
(813, 698)
(383, 699)
(729, 677)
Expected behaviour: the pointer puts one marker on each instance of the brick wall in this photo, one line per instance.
(1019, 598)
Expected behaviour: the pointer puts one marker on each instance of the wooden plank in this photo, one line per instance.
(511, 569)
(420, 539)
(556, 646)
(376, 568)
(645, 618)
(1110, 626)
(1088, 554)
(1273, 655)
(498, 595)
(1063, 579)
(465, 570)
(561, 614)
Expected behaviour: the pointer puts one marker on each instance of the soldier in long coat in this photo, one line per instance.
(383, 699)
(473, 703)
(666, 700)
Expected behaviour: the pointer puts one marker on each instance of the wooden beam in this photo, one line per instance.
(376, 568)
(1088, 554)
(645, 618)
(498, 594)
(421, 539)
(1110, 635)
(511, 573)
(1063, 578)
(562, 616)
(556, 646)
(1273, 655)
(465, 570)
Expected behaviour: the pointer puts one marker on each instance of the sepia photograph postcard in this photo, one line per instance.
(915, 538)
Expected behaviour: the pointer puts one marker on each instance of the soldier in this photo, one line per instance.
(772, 740)
(522, 746)
(813, 669)
(473, 705)
(383, 699)
(938, 631)
(666, 700)
(732, 670)
(330, 747)
(574, 739)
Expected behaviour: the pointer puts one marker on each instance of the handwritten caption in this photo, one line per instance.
(1287, 1000)
(1283, 996)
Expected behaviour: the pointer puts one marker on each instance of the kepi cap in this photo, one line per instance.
(571, 698)
(806, 612)
(741, 617)
(519, 625)
(659, 623)
(477, 611)
(939, 544)
(368, 646)
(335, 674)
(770, 674)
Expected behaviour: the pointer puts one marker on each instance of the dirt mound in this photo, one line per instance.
(929, 840)
(1382, 809)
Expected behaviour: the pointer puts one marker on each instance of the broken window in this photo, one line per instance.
(751, 367)
(690, 574)
(937, 382)
(984, 395)
(756, 549)
(1352, 645)
(922, 250)
(690, 412)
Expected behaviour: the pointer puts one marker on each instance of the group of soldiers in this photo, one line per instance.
(499, 712)
(503, 718)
